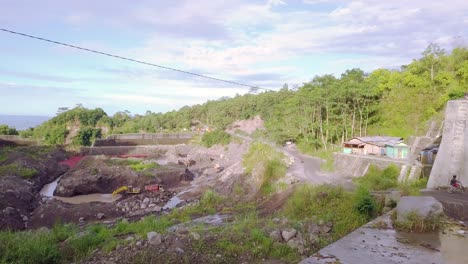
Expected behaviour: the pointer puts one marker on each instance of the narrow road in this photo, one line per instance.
(455, 204)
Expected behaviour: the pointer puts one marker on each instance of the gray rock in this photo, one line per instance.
(276, 220)
(138, 243)
(297, 244)
(218, 256)
(326, 229)
(130, 238)
(81, 219)
(424, 206)
(146, 200)
(288, 234)
(284, 221)
(25, 218)
(314, 239)
(152, 205)
(195, 235)
(179, 250)
(143, 206)
(314, 229)
(100, 215)
(154, 238)
(276, 236)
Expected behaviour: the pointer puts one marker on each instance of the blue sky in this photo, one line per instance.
(263, 43)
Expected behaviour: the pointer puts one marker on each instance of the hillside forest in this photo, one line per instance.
(325, 111)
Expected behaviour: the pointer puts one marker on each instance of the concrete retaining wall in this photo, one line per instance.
(452, 157)
(356, 165)
(144, 139)
(123, 150)
(19, 140)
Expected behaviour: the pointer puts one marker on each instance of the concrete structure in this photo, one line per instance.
(144, 139)
(378, 243)
(357, 165)
(452, 156)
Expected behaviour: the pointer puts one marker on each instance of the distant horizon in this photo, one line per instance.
(22, 122)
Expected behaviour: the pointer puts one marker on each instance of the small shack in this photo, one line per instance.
(376, 145)
(397, 150)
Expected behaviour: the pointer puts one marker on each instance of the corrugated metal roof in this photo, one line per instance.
(377, 140)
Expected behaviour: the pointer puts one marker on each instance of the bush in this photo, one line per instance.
(260, 153)
(215, 137)
(413, 188)
(365, 203)
(86, 136)
(6, 130)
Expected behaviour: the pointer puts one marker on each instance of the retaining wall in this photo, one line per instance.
(356, 165)
(452, 157)
(144, 139)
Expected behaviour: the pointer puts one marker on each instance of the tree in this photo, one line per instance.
(6, 130)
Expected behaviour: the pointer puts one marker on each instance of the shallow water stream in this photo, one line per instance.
(48, 191)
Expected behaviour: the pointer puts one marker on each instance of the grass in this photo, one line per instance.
(413, 188)
(34, 246)
(269, 164)
(329, 204)
(143, 166)
(215, 137)
(17, 169)
(377, 179)
(415, 223)
(136, 165)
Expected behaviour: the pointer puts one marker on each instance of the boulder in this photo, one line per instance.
(424, 206)
(288, 234)
(297, 243)
(154, 238)
(100, 216)
(276, 236)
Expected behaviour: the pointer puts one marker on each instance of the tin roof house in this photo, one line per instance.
(392, 147)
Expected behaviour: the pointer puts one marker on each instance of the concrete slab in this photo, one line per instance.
(378, 242)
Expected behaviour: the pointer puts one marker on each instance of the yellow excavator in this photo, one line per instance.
(128, 189)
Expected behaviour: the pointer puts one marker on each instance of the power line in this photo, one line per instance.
(252, 88)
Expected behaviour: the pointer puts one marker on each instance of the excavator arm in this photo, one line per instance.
(121, 189)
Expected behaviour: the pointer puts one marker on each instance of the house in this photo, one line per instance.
(428, 154)
(397, 150)
(377, 145)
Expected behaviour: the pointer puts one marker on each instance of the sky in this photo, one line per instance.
(263, 43)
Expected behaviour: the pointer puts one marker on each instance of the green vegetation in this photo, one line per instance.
(414, 223)
(268, 163)
(377, 179)
(413, 188)
(215, 137)
(6, 130)
(86, 136)
(17, 169)
(347, 211)
(136, 165)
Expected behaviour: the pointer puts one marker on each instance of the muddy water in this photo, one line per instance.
(452, 247)
(48, 191)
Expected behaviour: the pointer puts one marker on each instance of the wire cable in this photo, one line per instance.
(252, 88)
